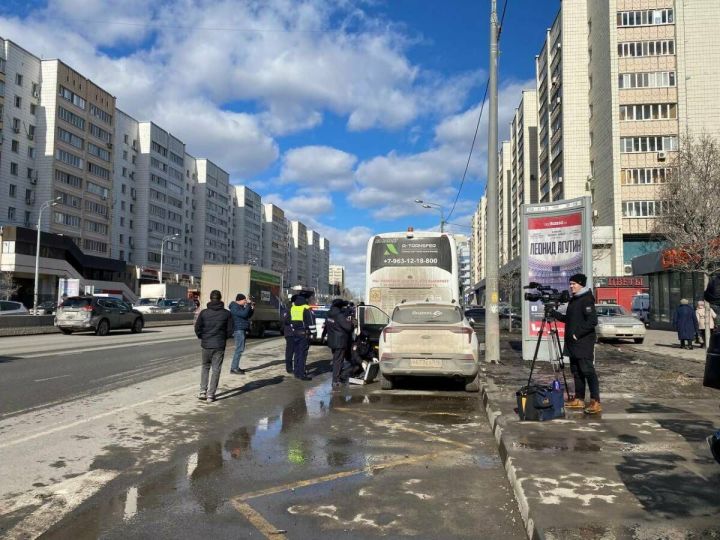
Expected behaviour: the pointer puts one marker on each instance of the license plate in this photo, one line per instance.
(425, 363)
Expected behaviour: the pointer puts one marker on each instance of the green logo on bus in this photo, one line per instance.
(390, 249)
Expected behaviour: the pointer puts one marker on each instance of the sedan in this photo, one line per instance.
(429, 339)
(614, 322)
(8, 307)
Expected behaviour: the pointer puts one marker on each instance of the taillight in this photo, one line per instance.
(87, 308)
(390, 330)
(463, 330)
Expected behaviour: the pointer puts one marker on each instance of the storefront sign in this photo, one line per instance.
(632, 282)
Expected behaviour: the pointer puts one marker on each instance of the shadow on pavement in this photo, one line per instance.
(7, 359)
(249, 387)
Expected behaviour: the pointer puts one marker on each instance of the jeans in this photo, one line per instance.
(239, 349)
(214, 358)
(582, 370)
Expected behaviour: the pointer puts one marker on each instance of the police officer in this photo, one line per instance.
(580, 321)
(302, 323)
(339, 333)
(288, 333)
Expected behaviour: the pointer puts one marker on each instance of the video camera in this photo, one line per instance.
(550, 297)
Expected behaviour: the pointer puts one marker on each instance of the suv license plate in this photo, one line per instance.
(426, 363)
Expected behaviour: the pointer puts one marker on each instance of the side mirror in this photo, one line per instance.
(471, 321)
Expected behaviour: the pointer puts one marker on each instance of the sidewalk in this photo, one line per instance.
(666, 342)
(642, 469)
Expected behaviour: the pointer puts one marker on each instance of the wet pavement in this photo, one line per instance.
(640, 470)
(279, 458)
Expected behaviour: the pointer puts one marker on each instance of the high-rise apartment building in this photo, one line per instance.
(324, 265)
(275, 240)
(477, 242)
(213, 221)
(504, 180)
(313, 261)
(247, 208)
(125, 191)
(336, 277)
(464, 264)
(298, 253)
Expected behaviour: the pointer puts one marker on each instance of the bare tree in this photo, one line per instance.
(508, 285)
(8, 285)
(691, 201)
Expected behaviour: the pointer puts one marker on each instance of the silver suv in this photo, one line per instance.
(97, 313)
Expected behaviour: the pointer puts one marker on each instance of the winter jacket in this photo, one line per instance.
(339, 329)
(285, 314)
(685, 322)
(700, 315)
(712, 292)
(241, 316)
(580, 320)
(214, 326)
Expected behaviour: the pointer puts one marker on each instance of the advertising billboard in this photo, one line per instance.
(557, 243)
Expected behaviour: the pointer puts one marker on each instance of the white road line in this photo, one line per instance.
(51, 378)
(104, 348)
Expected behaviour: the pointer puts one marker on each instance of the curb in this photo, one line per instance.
(497, 421)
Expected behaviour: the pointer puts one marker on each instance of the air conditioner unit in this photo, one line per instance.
(109, 145)
(557, 99)
(36, 93)
(595, 214)
(554, 80)
(661, 156)
(559, 45)
(627, 269)
(559, 180)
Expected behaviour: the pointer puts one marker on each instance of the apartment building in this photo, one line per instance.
(275, 240)
(313, 261)
(477, 242)
(504, 180)
(247, 208)
(125, 181)
(464, 264)
(336, 278)
(523, 183)
(324, 265)
(75, 162)
(213, 220)
(20, 140)
(298, 253)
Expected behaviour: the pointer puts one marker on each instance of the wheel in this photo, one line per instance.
(473, 384)
(66, 331)
(386, 383)
(103, 328)
(260, 331)
(137, 326)
(639, 340)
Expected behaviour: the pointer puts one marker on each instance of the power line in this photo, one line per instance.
(477, 127)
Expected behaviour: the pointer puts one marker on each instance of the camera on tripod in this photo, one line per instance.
(550, 297)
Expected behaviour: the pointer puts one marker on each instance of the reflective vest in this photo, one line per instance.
(297, 314)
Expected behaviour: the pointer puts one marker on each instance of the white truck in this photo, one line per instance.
(163, 290)
(261, 285)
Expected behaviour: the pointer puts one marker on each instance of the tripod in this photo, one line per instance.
(556, 357)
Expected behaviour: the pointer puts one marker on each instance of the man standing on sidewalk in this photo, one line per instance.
(241, 311)
(580, 321)
(214, 326)
(302, 323)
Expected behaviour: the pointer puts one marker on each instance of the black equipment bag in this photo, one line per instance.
(540, 402)
(712, 363)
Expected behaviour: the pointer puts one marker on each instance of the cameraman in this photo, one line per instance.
(580, 321)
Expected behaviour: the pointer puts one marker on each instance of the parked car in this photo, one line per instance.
(476, 314)
(506, 312)
(146, 305)
(47, 307)
(429, 339)
(614, 322)
(175, 305)
(320, 313)
(641, 307)
(101, 314)
(9, 307)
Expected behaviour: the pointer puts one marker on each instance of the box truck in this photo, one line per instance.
(263, 286)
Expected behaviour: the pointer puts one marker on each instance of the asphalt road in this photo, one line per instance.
(124, 450)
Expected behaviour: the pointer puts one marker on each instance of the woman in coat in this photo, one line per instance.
(700, 315)
(686, 324)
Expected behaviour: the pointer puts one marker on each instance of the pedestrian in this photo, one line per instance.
(686, 324)
(700, 315)
(242, 311)
(580, 321)
(302, 323)
(288, 333)
(339, 337)
(214, 326)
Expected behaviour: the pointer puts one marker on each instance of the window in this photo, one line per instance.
(645, 175)
(98, 152)
(645, 17)
(72, 97)
(13, 190)
(95, 227)
(71, 118)
(648, 144)
(31, 152)
(2, 65)
(654, 111)
(97, 190)
(33, 108)
(125, 138)
(13, 168)
(123, 188)
(68, 220)
(94, 245)
(122, 221)
(68, 179)
(70, 138)
(643, 209)
(124, 171)
(68, 200)
(125, 154)
(18, 102)
(70, 159)
(15, 146)
(159, 149)
(11, 214)
(662, 47)
(30, 172)
(18, 79)
(100, 133)
(96, 208)
(100, 114)
(98, 171)
(16, 125)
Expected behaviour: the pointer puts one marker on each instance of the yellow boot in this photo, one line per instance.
(593, 408)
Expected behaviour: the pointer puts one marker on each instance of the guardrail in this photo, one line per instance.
(20, 325)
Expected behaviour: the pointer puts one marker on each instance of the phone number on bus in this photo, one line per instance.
(403, 260)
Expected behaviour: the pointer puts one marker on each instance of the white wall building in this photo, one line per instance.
(247, 209)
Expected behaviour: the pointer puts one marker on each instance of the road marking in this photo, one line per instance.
(104, 348)
(51, 378)
(426, 434)
(256, 519)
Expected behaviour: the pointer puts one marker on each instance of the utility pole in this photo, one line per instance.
(492, 319)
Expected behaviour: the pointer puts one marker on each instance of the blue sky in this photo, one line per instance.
(342, 112)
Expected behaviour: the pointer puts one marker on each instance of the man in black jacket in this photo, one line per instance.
(339, 335)
(580, 321)
(214, 326)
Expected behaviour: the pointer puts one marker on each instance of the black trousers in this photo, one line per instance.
(338, 359)
(583, 370)
(289, 354)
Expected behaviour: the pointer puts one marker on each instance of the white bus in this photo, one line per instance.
(411, 266)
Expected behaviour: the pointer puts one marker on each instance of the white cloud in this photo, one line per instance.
(319, 167)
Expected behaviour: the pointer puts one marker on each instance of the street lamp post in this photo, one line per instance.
(162, 250)
(43, 206)
(436, 206)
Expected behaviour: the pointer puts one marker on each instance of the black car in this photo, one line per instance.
(477, 314)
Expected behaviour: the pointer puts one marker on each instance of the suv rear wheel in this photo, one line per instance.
(66, 331)
(103, 328)
(137, 326)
